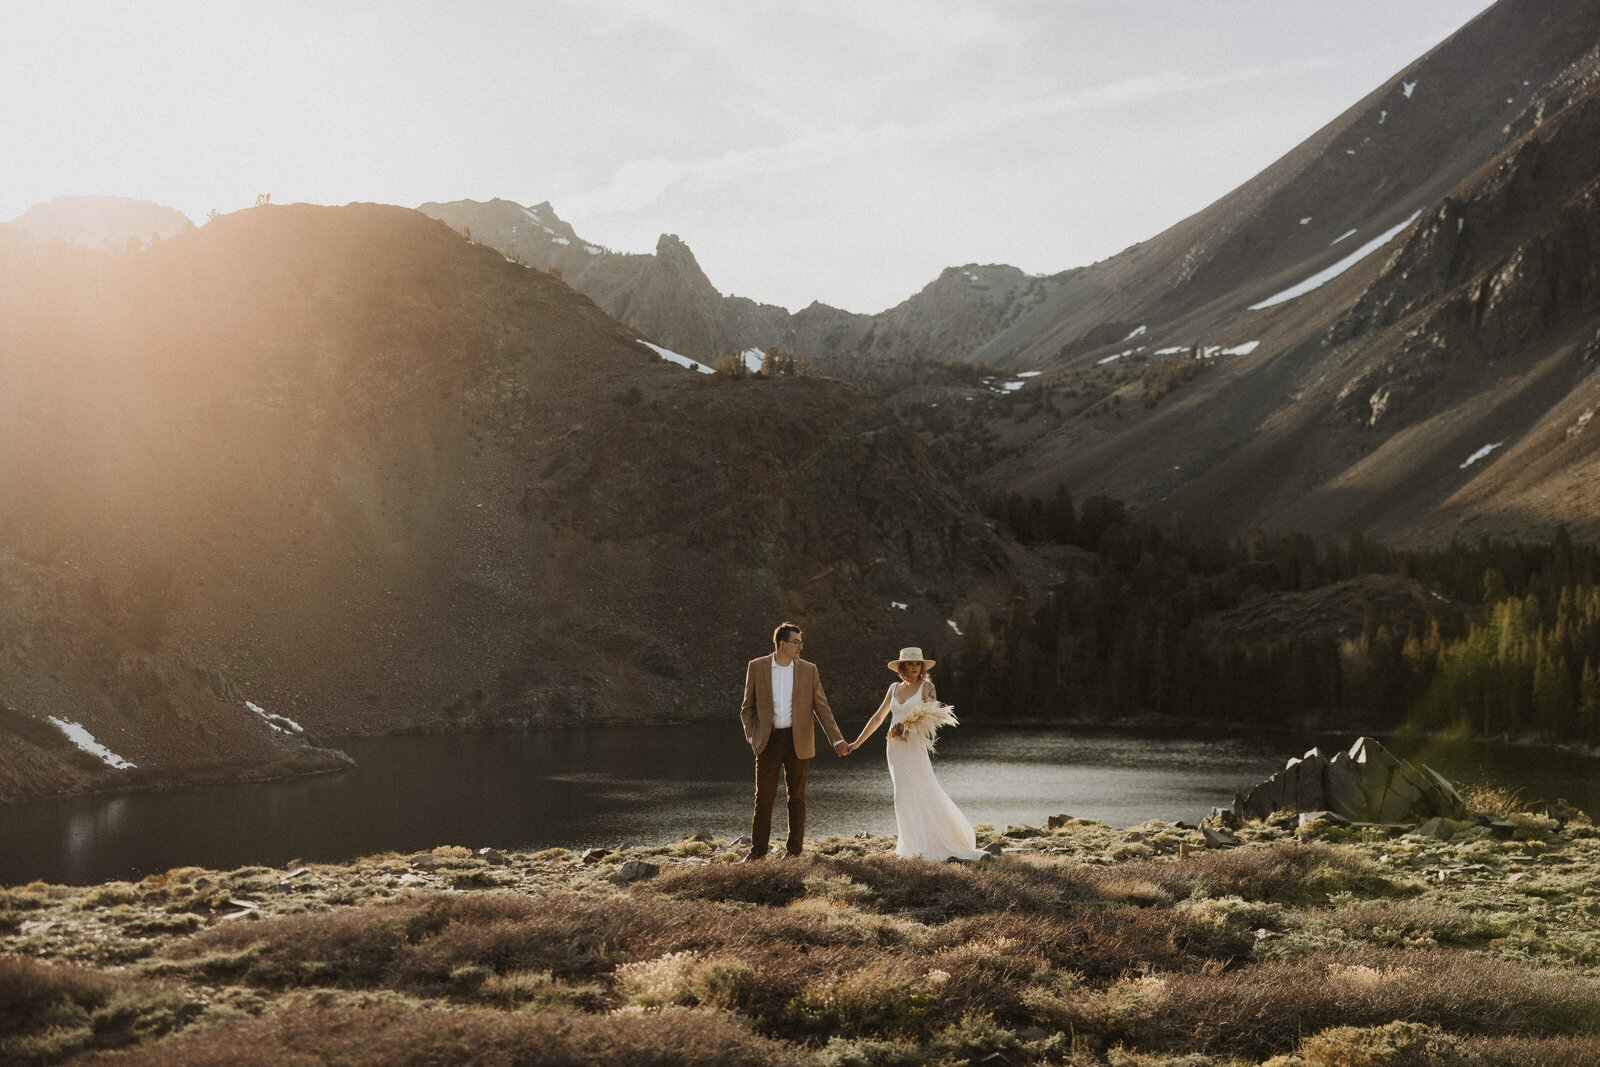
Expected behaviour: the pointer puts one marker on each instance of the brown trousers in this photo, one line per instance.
(779, 758)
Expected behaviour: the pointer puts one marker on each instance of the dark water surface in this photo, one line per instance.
(640, 785)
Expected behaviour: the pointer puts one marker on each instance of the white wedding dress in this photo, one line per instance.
(931, 826)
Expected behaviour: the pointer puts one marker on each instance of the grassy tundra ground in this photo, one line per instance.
(1079, 945)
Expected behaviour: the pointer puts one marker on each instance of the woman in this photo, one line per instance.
(931, 826)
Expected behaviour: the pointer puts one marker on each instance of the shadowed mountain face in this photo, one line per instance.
(393, 480)
(1435, 386)
(1392, 329)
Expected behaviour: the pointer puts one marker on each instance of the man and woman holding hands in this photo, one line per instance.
(784, 700)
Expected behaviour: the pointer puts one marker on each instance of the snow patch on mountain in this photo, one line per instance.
(281, 723)
(1479, 454)
(1327, 274)
(683, 361)
(86, 741)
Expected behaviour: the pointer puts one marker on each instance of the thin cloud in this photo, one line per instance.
(638, 183)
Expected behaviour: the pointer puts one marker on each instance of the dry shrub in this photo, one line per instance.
(1407, 922)
(26, 898)
(1277, 873)
(382, 1035)
(567, 936)
(840, 889)
(1101, 944)
(1517, 1051)
(928, 892)
(109, 895)
(1530, 827)
(956, 891)
(48, 1011)
(422, 944)
(885, 996)
(1416, 1045)
(724, 983)
(1122, 887)
(938, 892)
(350, 947)
(552, 855)
(770, 882)
(660, 981)
(1394, 1045)
(1260, 1010)
(1495, 800)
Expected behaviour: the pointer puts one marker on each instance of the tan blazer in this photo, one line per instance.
(810, 706)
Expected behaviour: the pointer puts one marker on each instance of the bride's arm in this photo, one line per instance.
(872, 723)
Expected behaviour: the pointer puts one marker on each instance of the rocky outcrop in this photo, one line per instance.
(668, 297)
(1367, 783)
(665, 295)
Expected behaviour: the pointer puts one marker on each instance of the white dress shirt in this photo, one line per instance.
(782, 695)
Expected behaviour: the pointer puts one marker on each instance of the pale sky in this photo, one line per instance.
(837, 150)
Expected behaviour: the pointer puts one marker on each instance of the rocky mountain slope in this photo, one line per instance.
(394, 481)
(1436, 386)
(1392, 329)
(89, 698)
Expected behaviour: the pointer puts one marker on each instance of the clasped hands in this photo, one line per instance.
(844, 748)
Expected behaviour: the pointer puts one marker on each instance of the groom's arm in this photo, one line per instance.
(747, 707)
(824, 714)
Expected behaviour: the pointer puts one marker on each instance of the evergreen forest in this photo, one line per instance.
(1492, 639)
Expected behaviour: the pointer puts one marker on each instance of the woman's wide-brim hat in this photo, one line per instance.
(910, 655)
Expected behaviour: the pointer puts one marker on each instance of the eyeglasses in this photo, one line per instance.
(796, 641)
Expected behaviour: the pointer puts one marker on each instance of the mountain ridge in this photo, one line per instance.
(403, 484)
(1244, 366)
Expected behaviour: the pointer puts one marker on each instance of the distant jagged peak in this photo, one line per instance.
(672, 244)
(983, 274)
(545, 215)
(673, 254)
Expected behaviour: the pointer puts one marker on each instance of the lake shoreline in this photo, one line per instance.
(334, 760)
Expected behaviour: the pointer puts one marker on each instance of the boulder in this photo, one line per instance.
(595, 855)
(1341, 784)
(1309, 817)
(1441, 828)
(634, 871)
(1367, 783)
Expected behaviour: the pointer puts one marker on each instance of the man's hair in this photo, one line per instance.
(781, 634)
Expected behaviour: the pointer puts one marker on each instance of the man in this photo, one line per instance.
(783, 698)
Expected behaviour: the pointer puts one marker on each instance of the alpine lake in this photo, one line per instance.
(645, 785)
